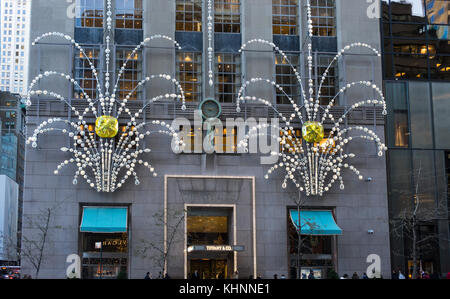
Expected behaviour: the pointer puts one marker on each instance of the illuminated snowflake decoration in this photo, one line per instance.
(103, 161)
(311, 162)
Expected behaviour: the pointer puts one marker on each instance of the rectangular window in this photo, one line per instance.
(189, 74)
(129, 14)
(330, 86)
(285, 16)
(189, 15)
(227, 16)
(84, 75)
(228, 77)
(89, 13)
(131, 75)
(286, 78)
(208, 226)
(323, 17)
(397, 119)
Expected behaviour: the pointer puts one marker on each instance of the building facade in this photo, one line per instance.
(416, 79)
(15, 27)
(213, 213)
(12, 150)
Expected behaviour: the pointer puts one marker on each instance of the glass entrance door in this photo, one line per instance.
(209, 268)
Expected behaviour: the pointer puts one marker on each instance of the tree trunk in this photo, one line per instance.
(414, 249)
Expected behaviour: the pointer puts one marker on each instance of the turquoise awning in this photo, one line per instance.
(104, 220)
(316, 223)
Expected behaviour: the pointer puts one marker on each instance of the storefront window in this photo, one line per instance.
(104, 242)
(208, 226)
(110, 262)
(316, 254)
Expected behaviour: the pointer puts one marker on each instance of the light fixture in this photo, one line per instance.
(107, 163)
(312, 168)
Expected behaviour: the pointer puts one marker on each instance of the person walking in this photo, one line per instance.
(311, 275)
(147, 276)
(355, 276)
(365, 276)
(394, 274)
(400, 275)
(195, 275)
(275, 276)
(236, 275)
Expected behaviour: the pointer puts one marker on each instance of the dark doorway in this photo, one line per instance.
(210, 268)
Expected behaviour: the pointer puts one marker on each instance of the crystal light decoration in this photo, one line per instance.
(316, 165)
(106, 163)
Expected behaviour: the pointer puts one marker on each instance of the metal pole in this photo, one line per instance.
(299, 270)
(101, 264)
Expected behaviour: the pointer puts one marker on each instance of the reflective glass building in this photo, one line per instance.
(416, 61)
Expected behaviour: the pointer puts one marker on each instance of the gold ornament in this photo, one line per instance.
(106, 126)
(313, 132)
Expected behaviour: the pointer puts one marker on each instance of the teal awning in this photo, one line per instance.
(315, 223)
(104, 220)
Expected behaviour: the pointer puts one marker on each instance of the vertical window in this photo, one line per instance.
(228, 77)
(323, 17)
(398, 119)
(287, 79)
(189, 73)
(89, 13)
(131, 75)
(189, 15)
(84, 75)
(285, 16)
(129, 14)
(331, 84)
(227, 16)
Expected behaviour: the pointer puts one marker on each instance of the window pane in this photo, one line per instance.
(189, 15)
(441, 106)
(420, 111)
(398, 127)
(227, 16)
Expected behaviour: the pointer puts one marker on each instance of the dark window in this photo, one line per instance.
(83, 73)
(228, 76)
(131, 75)
(286, 78)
